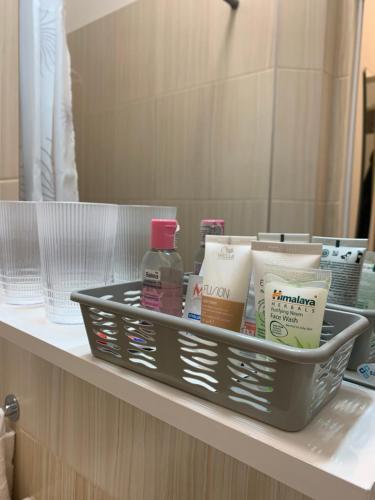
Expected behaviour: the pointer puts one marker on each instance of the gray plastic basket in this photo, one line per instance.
(364, 346)
(280, 385)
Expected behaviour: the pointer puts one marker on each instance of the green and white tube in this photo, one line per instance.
(295, 300)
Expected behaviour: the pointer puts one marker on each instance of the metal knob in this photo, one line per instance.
(11, 408)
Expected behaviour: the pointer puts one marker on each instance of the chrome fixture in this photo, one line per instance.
(11, 408)
(233, 3)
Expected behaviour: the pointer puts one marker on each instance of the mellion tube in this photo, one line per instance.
(227, 269)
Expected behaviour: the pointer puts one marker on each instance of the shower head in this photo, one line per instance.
(233, 3)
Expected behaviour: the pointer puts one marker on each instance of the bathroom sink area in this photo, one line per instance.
(333, 453)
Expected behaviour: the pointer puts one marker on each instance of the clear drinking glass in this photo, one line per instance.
(133, 238)
(20, 261)
(77, 242)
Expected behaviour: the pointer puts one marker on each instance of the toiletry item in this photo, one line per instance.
(227, 268)
(344, 257)
(295, 300)
(366, 293)
(162, 270)
(193, 301)
(207, 226)
(285, 237)
(133, 238)
(299, 255)
(249, 325)
(249, 321)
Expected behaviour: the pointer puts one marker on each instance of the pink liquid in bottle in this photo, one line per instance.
(162, 270)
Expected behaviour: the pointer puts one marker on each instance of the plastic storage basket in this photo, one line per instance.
(364, 346)
(280, 385)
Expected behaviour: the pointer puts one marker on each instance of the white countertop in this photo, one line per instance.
(333, 457)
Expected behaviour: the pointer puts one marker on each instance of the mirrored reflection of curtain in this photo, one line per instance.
(48, 169)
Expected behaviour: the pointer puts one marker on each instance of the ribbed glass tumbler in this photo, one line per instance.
(20, 261)
(133, 238)
(77, 242)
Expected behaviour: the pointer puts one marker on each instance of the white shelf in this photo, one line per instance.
(333, 457)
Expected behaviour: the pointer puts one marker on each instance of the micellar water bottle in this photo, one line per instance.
(162, 270)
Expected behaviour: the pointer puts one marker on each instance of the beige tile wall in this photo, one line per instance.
(173, 104)
(8, 100)
(241, 115)
(75, 442)
(313, 88)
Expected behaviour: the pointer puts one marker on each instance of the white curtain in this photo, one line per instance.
(48, 170)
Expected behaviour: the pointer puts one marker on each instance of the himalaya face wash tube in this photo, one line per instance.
(344, 257)
(265, 253)
(295, 300)
(227, 268)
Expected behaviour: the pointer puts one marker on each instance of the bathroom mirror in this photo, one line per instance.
(240, 114)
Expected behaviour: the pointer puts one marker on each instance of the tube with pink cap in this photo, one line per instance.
(162, 270)
(207, 226)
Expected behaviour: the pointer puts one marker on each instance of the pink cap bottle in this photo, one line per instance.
(213, 222)
(163, 234)
(162, 270)
(211, 226)
(207, 226)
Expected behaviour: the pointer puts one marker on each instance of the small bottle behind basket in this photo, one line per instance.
(162, 270)
(207, 226)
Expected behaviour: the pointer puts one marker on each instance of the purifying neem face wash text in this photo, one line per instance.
(265, 253)
(344, 257)
(295, 300)
(227, 268)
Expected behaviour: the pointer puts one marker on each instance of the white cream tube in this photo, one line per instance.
(344, 257)
(227, 269)
(265, 253)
